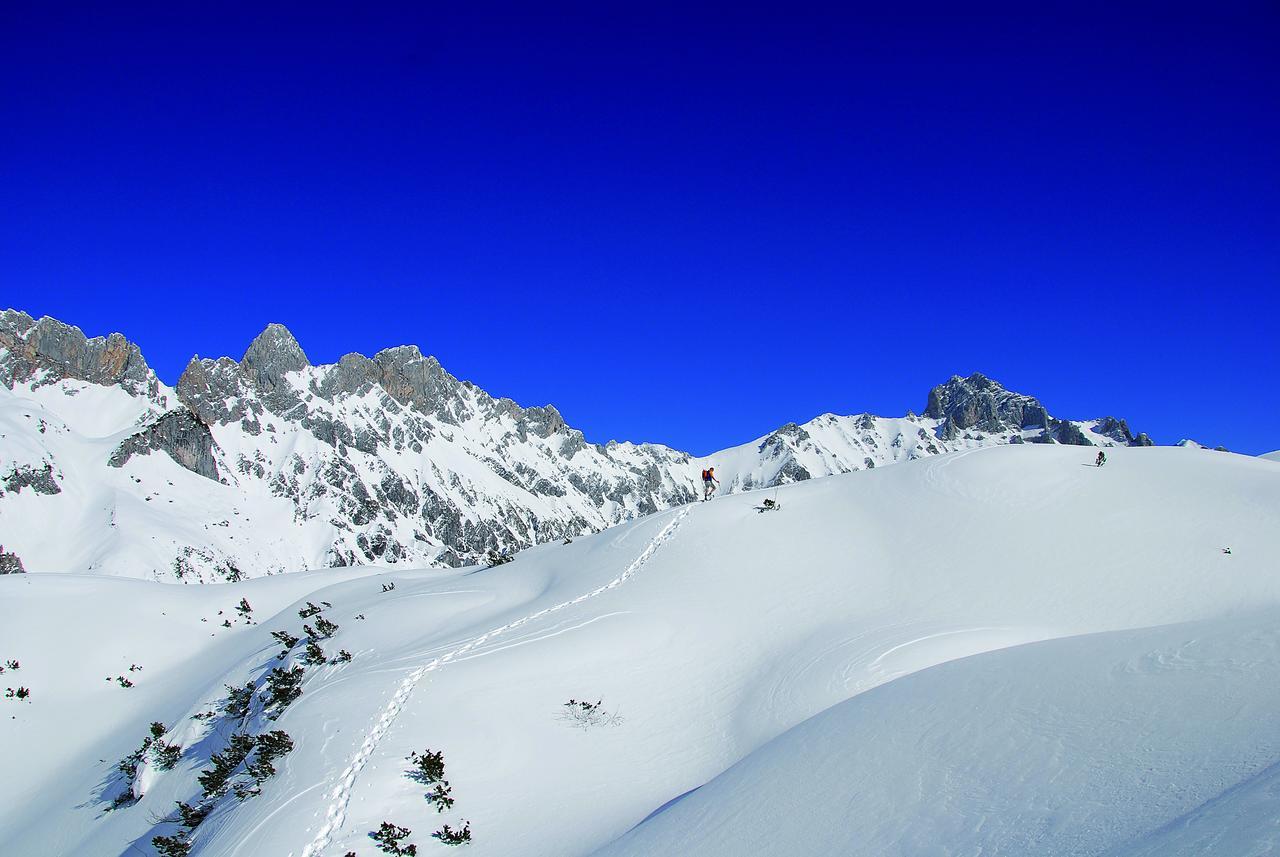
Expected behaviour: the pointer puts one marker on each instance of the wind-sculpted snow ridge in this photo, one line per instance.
(271, 464)
(341, 795)
(1153, 742)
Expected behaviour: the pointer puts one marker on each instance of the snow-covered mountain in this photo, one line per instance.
(995, 651)
(271, 464)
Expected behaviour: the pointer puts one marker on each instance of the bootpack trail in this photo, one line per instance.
(340, 796)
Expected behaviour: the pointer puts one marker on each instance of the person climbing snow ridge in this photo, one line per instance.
(709, 483)
(1101, 460)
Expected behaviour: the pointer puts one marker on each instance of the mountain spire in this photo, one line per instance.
(271, 355)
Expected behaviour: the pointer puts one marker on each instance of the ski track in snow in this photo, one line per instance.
(341, 795)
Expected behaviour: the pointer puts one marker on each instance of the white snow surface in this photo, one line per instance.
(1271, 456)
(997, 651)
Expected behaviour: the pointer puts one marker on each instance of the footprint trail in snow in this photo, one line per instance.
(340, 797)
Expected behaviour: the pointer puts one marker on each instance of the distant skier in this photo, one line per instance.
(1101, 460)
(709, 483)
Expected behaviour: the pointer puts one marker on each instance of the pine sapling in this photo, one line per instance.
(325, 629)
(308, 611)
(439, 796)
(283, 687)
(245, 610)
(314, 656)
(285, 639)
(192, 815)
(236, 705)
(171, 846)
(389, 836)
(214, 781)
(271, 746)
(428, 767)
(342, 657)
(449, 836)
(163, 755)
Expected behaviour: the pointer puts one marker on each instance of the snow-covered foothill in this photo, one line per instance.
(1001, 649)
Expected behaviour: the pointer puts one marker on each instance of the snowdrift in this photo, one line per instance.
(850, 674)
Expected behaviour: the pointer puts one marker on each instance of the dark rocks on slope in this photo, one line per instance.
(214, 390)
(39, 480)
(179, 434)
(1069, 433)
(10, 563)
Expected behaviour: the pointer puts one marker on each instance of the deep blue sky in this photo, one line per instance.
(686, 227)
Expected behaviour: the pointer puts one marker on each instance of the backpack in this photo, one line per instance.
(706, 474)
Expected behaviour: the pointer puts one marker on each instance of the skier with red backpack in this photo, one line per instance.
(709, 483)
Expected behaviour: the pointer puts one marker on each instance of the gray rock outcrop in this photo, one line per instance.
(48, 351)
(39, 479)
(983, 404)
(181, 436)
(10, 563)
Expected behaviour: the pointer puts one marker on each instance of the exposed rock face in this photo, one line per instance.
(978, 402)
(61, 351)
(178, 434)
(1069, 433)
(272, 355)
(10, 563)
(38, 479)
(1118, 430)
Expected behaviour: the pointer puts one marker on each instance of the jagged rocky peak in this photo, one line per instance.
(1118, 430)
(212, 389)
(982, 403)
(62, 351)
(272, 355)
(421, 382)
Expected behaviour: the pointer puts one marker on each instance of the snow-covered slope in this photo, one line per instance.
(1271, 456)
(775, 678)
(271, 464)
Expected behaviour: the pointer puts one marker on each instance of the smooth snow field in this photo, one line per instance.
(1002, 651)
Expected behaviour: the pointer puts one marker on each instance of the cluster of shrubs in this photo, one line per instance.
(585, 715)
(248, 759)
(241, 768)
(428, 769)
(494, 558)
(164, 756)
(19, 693)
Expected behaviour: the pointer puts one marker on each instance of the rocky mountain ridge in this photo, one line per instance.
(271, 464)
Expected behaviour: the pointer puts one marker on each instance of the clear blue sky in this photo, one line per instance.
(678, 226)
